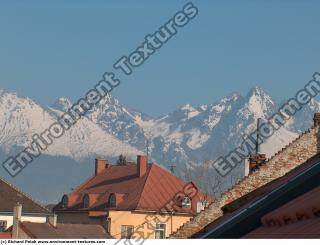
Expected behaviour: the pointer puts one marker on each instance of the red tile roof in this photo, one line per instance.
(152, 191)
(299, 218)
(5, 235)
(64, 231)
(303, 229)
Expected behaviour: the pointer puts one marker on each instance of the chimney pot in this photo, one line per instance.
(316, 119)
(53, 220)
(142, 163)
(17, 211)
(100, 165)
(246, 167)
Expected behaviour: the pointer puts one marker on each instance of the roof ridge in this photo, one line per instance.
(270, 158)
(23, 193)
(289, 144)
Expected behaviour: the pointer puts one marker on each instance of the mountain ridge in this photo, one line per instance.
(186, 137)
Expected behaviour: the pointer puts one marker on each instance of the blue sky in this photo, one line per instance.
(51, 49)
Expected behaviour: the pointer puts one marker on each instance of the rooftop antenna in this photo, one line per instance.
(148, 137)
(148, 142)
(258, 136)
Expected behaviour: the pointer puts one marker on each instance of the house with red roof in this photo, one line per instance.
(132, 200)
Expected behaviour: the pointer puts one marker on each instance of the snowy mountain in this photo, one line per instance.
(115, 119)
(187, 137)
(209, 131)
(21, 118)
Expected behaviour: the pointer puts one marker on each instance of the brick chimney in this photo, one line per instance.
(17, 211)
(142, 163)
(254, 162)
(100, 166)
(256, 159)
(316, 119)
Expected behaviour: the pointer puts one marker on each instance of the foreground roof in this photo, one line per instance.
(299, 218)
(151, 192)
(10, 195)
(244, 214)
(287, 159)
(63, 231)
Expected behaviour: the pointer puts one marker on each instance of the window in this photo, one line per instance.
(126, 231)
(112, 201)
(86, 201)
(160, 232)
(3, 225)
(186, 202)
(64, 201)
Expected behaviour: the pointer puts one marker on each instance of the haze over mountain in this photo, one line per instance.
(186, 137)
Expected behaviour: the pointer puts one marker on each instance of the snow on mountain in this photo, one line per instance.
(87, 140)
(190, 134)
(303, 119)
(62, 104)
(203, 132)
(278, 141)
(209, 131)
(216, 127)
(259, 103)
(22, 118)
(115, 119)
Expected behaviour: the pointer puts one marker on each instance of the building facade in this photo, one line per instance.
(131, 200)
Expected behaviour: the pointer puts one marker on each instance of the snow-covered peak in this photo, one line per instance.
(259, 103)
(20, 118)
(187, 134)
(230, 97)
(257, 90)
(62, 104)
(190, 111)
(187, 107)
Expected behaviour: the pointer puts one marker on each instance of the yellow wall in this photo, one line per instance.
(144, 223)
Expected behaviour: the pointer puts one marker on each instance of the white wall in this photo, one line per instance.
(36, 219)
